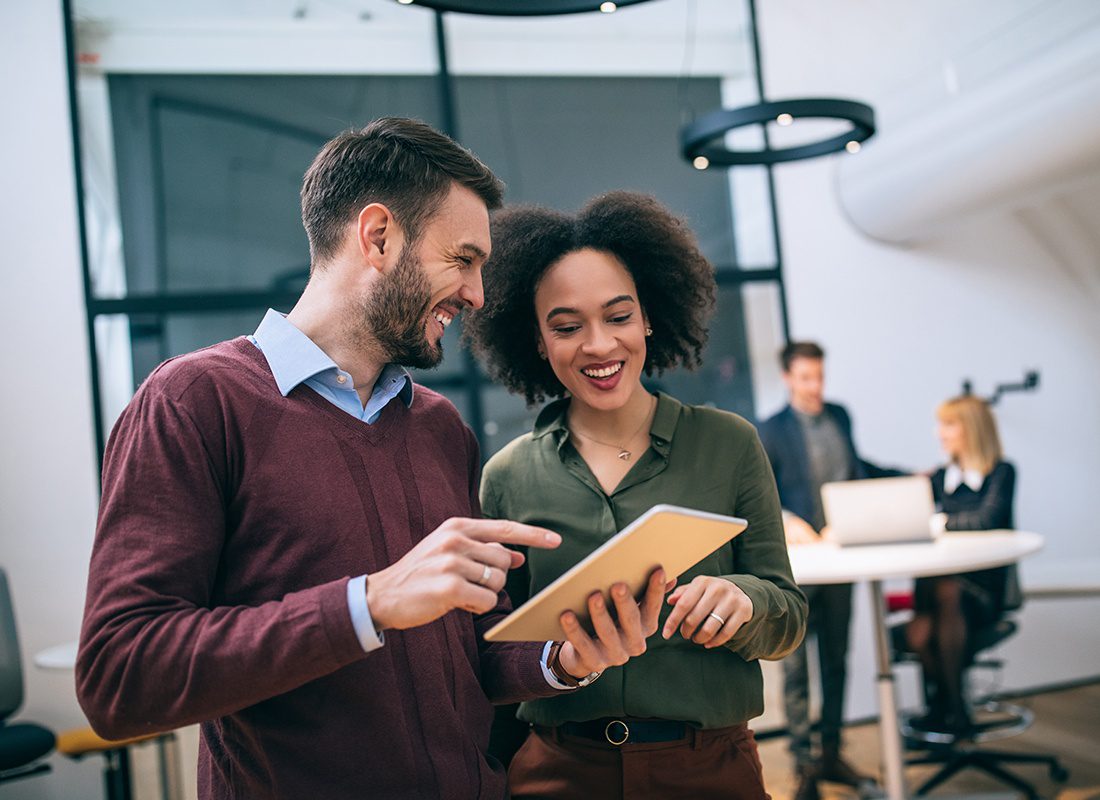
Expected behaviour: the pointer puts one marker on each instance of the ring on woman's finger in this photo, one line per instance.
(720, 620)
(486, 574)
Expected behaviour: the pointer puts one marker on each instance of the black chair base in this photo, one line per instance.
(23, 745)
(955, 755)
(993, 720)
(959, 757)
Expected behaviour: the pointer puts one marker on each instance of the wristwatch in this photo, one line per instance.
(560, 673)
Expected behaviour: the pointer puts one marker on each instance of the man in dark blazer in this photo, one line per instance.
(810, 443)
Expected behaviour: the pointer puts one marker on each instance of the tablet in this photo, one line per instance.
(665, 536)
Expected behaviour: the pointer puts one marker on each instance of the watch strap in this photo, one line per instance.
(553, 661)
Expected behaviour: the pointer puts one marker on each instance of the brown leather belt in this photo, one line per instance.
(619, 731)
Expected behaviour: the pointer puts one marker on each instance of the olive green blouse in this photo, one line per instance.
(700, 458)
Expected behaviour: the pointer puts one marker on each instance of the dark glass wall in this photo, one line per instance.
(209, 170)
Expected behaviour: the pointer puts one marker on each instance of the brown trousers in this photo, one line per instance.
(705, 764)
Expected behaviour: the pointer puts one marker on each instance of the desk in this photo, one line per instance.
(825, 562)
(58, 657)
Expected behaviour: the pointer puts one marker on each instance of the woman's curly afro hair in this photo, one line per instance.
(675, 282)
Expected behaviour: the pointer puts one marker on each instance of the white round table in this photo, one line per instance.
(825, 562)
(60, 656)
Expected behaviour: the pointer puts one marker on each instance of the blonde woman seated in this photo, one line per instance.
(975, 492)
(579, 308)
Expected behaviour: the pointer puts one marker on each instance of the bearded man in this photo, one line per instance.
(288, 549)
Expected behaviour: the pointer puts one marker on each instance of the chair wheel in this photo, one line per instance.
(1059, 773)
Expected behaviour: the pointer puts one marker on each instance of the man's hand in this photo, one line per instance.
(614, 643)
(798, 531)
(708, 611)
(461, 564)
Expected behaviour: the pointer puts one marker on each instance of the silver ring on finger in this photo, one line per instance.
(486, 574)
(721, 621)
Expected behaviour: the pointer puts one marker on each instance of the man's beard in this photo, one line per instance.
(395, 314)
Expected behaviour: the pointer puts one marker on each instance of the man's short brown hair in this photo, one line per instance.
(402, 163)
(795, 350)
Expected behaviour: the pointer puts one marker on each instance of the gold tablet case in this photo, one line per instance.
(666, 536)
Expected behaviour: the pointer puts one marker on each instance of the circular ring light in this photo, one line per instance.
(522, 8)
(697, 139)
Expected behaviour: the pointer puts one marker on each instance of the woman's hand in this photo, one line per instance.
(617, 640)
(708, 611)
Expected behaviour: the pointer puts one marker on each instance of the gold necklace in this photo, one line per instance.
(624, 453)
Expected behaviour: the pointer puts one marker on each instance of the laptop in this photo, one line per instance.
(879, 511)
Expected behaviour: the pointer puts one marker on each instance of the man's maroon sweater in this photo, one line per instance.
(230, 523)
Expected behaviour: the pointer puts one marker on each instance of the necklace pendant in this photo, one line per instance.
(625, 455)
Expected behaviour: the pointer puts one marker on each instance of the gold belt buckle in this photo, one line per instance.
(626, 732)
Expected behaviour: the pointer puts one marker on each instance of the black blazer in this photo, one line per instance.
(786, 448)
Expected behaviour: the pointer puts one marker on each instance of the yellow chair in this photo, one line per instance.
(23, 745)
(80, 742)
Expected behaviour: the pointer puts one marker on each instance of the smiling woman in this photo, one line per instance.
(579, 308)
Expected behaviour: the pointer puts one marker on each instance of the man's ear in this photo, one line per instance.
(379, 237)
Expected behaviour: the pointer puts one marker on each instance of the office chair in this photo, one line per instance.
(994, 720)
(22, 744)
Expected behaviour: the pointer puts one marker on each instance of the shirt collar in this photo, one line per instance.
(955, 476)
(398, 371)
(665, 418)
(294, 358)
(552, 420)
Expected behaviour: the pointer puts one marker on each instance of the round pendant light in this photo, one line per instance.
(701, 140)
(522, 8)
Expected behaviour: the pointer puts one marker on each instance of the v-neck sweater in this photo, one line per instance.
(231, 520)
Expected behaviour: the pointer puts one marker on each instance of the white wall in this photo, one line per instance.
(48, 481)
(903, 327)
(48, 489)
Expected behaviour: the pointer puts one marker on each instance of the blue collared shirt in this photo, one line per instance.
(294, 359)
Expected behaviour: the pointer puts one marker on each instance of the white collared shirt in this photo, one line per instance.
(955, 476)
(294, 359)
